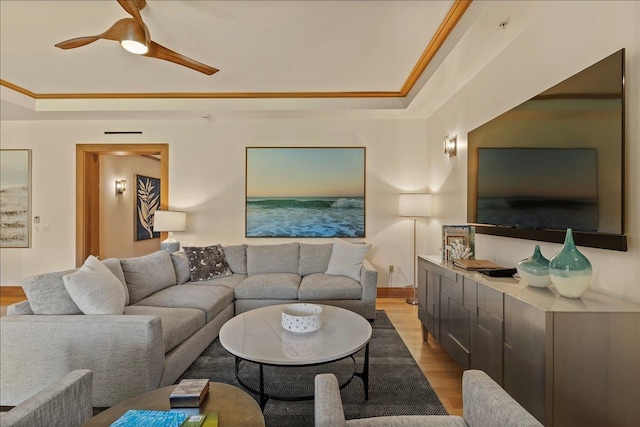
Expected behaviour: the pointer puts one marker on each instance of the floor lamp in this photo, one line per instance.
(414, 205)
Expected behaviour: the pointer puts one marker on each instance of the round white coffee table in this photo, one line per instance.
(257, 336)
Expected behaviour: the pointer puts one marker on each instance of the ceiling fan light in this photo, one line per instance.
(132, 38)
(134, 46)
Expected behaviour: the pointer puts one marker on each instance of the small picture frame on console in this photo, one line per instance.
(458, 241)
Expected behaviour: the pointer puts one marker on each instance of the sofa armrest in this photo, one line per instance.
(485, 403)
(67, 402)
(369, 283)
(125, 353)
(328, 410)
(22, 307)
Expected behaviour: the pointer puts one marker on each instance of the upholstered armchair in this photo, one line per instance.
(65, 403)
(485, 403)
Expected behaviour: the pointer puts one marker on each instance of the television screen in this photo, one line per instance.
(554, 162)
(538, 188)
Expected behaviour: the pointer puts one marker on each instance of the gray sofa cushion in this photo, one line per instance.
(314, 258)
(320, 286)
(273, 258)
(210, 299)
(237, 258)
(148, 274)
(47, 295)
(181, 266)
(269, 286)
(229, 282)
(206, 263)
(113, 264)
(95, 289)
(178, 324)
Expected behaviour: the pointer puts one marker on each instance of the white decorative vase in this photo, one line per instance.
(535, 270)
(569, 270)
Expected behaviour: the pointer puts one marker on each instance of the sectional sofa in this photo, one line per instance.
(163, 319)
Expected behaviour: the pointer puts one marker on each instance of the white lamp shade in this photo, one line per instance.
(169, 221)
(414, 204)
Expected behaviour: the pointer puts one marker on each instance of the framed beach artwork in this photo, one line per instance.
(305, 192)
(147, 202)
(15, 198)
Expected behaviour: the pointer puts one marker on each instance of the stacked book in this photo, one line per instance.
(475, 264)
(189, 393)
(148, 418)
(137, 418)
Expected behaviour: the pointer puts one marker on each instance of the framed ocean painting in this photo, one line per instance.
(15, 198)
(305, 192)
(147, 202)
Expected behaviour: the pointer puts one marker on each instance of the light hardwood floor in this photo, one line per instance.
(444, 375)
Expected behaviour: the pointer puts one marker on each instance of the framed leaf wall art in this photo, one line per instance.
(147, 202)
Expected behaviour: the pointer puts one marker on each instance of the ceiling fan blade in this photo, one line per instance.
(161, 52)
(115, 32)
(77, 42)
(133, 8)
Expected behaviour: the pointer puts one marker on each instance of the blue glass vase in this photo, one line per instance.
(535, 270)
(569, 270)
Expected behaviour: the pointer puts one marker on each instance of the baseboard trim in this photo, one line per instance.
(395, 292)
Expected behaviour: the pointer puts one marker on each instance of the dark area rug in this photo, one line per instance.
(397, 386)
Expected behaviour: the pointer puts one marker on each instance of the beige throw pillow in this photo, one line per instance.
(346, 259)
(95, 289)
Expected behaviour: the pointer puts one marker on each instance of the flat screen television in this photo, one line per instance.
(555, 162)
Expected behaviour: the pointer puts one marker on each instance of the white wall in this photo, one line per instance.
(568, 37)
(206, 179)
(207, 157)
(117, 210)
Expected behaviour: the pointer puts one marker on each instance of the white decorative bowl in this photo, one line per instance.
(302, 317)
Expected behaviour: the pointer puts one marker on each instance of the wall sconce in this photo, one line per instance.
(450, 145)
(121, 186)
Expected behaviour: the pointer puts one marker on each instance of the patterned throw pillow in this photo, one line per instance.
(207, 263)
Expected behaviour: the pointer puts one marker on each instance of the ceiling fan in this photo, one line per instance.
(133, 36)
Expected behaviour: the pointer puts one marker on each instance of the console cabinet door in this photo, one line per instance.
(487, 333)
(423, 301)
(458, 320)
(429, 298)
(525, 351)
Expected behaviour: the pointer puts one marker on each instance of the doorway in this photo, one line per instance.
(88, 189)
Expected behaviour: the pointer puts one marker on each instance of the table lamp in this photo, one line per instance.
(170, 221)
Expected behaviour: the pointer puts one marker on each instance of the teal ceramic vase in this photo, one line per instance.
(569, 270)
(535, 270)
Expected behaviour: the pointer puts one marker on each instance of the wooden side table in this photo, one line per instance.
(234, 406)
